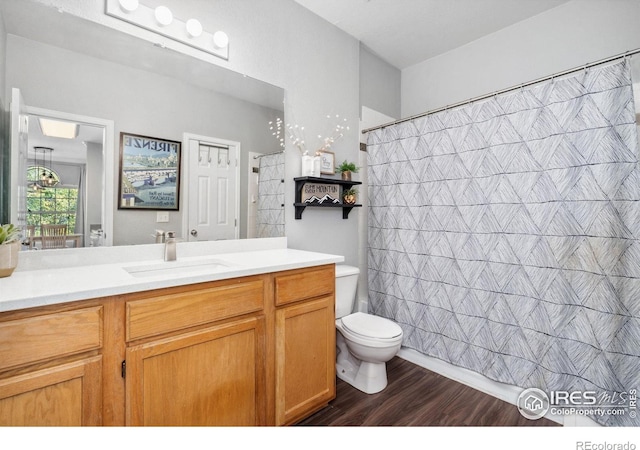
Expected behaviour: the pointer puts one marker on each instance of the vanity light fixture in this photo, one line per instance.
(58, 128)
(194, 28)
(220, 39)
(160, 20)
(128, 5)
(163, 15)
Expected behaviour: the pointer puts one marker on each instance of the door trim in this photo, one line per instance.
(109, 181)
(108, 160)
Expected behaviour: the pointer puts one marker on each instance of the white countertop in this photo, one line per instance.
(45, 278)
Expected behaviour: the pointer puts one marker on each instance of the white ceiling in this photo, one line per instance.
(64, 150)
(406, 32)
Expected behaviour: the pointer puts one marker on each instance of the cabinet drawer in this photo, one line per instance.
(37, 338)
(182, 308)
(302, 284)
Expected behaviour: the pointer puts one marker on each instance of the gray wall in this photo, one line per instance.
(282, 43)
(3, 56)
(5, 149)
(379, 84)
(568, 36)
(139, 102)
(93, 183)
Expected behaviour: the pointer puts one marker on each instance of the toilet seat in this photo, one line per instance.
(371, 328)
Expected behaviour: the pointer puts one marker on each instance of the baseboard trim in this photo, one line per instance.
(505, 392)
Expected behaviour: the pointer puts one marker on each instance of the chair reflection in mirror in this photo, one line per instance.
(27, 237)
(53, 236)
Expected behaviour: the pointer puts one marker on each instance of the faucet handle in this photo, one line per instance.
(171, 234)
(159, 236)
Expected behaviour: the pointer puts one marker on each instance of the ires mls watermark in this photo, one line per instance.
(534, 403)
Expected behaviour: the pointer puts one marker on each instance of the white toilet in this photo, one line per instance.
(364, 342)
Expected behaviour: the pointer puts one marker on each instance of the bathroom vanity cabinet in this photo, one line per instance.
(254, 350)
(196, 356)
(51, 365)
(305, 342)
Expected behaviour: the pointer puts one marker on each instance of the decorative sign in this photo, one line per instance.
(149, 173)
(319, 193)
(327, 162)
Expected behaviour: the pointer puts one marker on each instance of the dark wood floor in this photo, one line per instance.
(418, 397)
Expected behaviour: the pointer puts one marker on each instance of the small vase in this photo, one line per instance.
(9, 258)
(346, 175)
(307, 165)
(316, 165)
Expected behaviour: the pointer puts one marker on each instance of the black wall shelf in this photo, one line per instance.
(300, 206)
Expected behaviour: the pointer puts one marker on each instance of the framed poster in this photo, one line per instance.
(149, 173)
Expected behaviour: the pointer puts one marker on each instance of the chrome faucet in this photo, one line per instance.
(170, 246)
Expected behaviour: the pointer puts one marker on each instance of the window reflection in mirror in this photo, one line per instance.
(49, 202)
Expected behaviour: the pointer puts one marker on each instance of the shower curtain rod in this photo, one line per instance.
(520, 86)
(267, 154)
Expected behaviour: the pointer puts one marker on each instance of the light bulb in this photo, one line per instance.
(220, 39)
(163, 15)
(128, 5)
(194, 28)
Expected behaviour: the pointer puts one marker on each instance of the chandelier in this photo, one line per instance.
(45, 179)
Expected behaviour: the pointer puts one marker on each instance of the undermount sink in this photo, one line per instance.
(177, 268)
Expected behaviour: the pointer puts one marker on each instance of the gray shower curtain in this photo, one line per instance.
(504, 235)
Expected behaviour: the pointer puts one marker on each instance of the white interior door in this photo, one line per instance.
(212, 190)
(19, 149)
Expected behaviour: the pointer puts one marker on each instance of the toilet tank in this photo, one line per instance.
(346, 285)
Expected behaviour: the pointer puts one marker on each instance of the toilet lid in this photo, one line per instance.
(372, 326)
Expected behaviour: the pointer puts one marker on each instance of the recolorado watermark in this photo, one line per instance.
(534, 403)
(588, 445)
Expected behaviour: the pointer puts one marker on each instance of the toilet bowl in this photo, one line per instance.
(364, 342)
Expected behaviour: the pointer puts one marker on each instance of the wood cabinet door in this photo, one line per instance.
(210, 377)
(305, 358)
(66, 395)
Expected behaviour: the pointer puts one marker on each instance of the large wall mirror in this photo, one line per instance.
(69, 68)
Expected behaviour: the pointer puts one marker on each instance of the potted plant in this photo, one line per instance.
(9, 248)
(349, 196)
(346, 168)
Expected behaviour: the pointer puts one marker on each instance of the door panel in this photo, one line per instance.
(305, 358)
(65, 395)
(222, 202)
(211, 377)
(204, 216)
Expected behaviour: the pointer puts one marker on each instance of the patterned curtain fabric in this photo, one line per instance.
(503, 235)
(270, 216)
